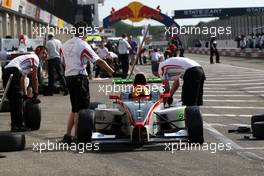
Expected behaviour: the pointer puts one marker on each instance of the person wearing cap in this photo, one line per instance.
(76, 54)
(54, 64)
(20, 67)
(193, 77)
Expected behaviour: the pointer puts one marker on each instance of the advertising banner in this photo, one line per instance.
(15, 5)
(219, 12)
(37, 13)
(7, 3)
(30, 10)
(22, 7)
(54, 20)
(42, 15)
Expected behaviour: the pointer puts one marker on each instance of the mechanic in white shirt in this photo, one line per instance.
(123, 50)
(103, 53)
(76, 54)
(193, 77)
(156, 58)
(20, 67)
(54, 64)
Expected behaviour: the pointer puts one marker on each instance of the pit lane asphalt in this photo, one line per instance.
(233, 92)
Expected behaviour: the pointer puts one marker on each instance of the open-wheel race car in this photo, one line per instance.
(139, 117)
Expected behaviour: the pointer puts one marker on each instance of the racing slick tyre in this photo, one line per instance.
(94, 105)
(32, 115)
(258, 130)
(85, 126)
(194, 124)
(12, 142)
(257, 118)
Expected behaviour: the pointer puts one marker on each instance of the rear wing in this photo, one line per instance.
(130, 81)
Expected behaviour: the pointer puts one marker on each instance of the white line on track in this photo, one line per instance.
(228, 95)
(231, 107)
(252, 69)
(242, 77)
(232, 81)
(219, 136)
(226, 115)
(256, 87)
(234, 101)
(241, 84)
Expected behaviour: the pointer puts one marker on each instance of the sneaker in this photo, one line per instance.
(67, 139)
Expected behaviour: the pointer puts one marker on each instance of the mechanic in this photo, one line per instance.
(76, 54)
(133, 50)
(54, 64)
(156, 58)
(214, 51)
(123, 50)
(193, 77)
(103, 53)
(20, 67)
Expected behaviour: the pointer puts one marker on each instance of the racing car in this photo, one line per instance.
(140, 116)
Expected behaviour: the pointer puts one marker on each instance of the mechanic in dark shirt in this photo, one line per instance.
(214, 51)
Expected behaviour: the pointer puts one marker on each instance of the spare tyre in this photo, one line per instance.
(32, 115)
(12, 142)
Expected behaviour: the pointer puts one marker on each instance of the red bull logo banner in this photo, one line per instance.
(136, 12)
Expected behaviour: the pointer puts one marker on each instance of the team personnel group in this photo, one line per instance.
(76, 55)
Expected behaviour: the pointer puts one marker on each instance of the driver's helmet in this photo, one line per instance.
(140, 90)
(140, 87)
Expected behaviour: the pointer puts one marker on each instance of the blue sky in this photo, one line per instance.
(167, 6)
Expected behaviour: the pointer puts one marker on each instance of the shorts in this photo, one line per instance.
(79, 92)
(192, 88)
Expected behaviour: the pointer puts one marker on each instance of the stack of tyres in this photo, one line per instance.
(257, 125)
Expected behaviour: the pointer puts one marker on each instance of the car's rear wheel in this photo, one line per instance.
(85, 126)
(194, 124)
(12, 142)
(32, 115)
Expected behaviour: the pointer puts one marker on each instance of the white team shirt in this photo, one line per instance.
(54, 47)
(174, 68)
(123, 47)
(76, 54)
(155, 56)
(24, 63)
(103, 52)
